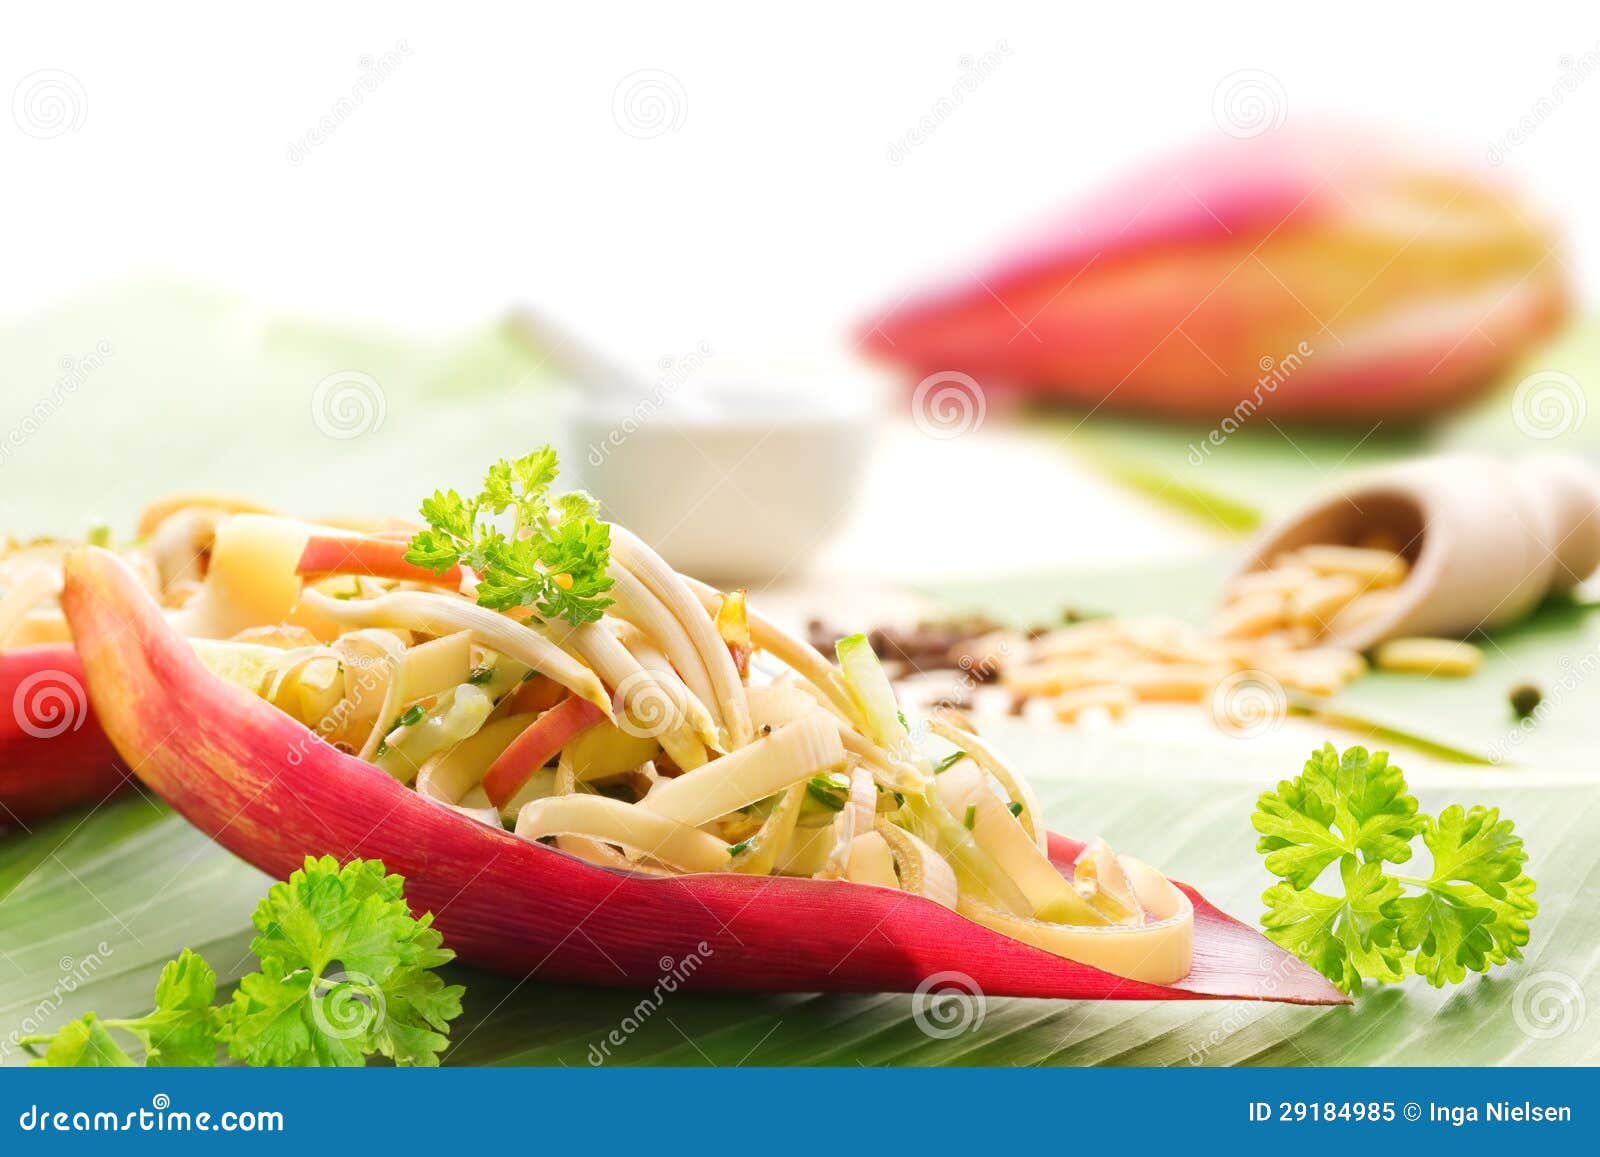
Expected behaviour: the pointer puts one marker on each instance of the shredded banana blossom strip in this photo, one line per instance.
(440, 614)
(638, 605)
(668, 586)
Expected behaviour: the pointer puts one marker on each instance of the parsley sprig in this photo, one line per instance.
(346, 972)
(1468, 913)
(551, 554)
(181, 1030)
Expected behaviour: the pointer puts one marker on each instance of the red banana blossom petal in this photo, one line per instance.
(53, 754)
(269, 790)
(1323, 275)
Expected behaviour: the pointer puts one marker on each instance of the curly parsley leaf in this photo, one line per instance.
(1337, 806)
(382, 997)
(346, 972)
(1343, 937)
(1469, 913)
(290, 1018)
(181, 1031)
(79, 1044)
(553, 557)
(1472, 911)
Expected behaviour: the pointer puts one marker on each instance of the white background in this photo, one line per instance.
(490, 165)
(493, 166)
(499, 161)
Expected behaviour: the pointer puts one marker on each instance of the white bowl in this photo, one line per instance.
(731, 476)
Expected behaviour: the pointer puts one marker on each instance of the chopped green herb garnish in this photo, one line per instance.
(827, 791)
(970, 820)
(410, 717)
(1355, 813)
(481, 675)
(889, 801)
(739, 849)
(100, 535)
(948, 762)
(1016, 807)
(552, 554)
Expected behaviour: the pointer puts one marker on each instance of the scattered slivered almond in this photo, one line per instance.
(1173, 682)
(1318, 671)
(1121, 662)
(1376, 568)
(1315, 602)
(1053, 676)
(1359, 612)
(1112, 698)
(1421, 656)
(1252, 616)
(1382, 540)
(1184, 647)
(1279, 622)
(1079, 639)
(1323, 589)
(1278, 580)
(1290, 638)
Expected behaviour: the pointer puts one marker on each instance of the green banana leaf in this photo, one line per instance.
(1261, 469)
(1556, 649)
(1184, 588)
(123, 394)
(1549, 401)
(128, 886)
(1258, 472)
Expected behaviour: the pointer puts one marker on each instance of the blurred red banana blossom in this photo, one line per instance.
(1320, 275)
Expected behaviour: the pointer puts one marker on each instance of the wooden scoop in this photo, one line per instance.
(1487, 539)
